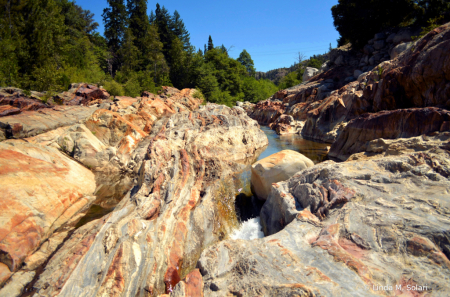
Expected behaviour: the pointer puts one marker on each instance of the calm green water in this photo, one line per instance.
(247, 206)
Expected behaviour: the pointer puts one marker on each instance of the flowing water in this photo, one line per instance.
(248, 206)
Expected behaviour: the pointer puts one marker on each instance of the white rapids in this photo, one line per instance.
(249, 230)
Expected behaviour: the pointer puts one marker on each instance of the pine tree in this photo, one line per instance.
(115, 20)
(138, 21)
(246, 60)
(224, 49)
(204, 51)
(153, 59)
(210, 43)
(162, 20)
(151, 17)
(129, 53)
(179, 29)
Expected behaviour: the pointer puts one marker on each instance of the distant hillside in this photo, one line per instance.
(276, 75)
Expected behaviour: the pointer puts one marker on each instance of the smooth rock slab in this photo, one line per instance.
(40, 190)
(275, 168)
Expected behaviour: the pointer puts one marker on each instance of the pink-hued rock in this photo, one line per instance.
(6, 110)
(41, 190)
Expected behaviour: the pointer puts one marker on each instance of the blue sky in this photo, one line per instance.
(273, 32)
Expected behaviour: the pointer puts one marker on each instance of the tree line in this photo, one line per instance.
(47, 44)
(357, 21)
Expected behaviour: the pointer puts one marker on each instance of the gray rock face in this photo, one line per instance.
(397, 50)
(309, 72)
(394, 231)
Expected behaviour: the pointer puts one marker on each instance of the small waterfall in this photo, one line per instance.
(250, 229)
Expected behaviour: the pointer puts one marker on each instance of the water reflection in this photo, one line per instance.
(316, 151)
(247, 206)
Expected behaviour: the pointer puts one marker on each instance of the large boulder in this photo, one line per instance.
(385, 229)
(400, 48)
(309, 73)
(275, 168)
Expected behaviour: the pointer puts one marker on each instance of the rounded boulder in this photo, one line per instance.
(277, 167)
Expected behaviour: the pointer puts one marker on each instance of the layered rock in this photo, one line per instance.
(400, 123)
(275, 168)
(81, 94)
(181, 204)
(267, 111)
(32, 123)
(387, 228)
(41, 191)
(418, 77)
(110, 143)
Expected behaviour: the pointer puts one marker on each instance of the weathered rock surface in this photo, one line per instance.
(81, 94)
(400, 123)
(418, 77)
(267, 111)
(435, 143)
(41, 190)
(285, 124)
(275, 168)
(392, 231)
(110, 143)
(32, 123)
(155, 235)
(309, 73)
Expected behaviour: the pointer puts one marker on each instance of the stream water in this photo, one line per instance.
(248, 206)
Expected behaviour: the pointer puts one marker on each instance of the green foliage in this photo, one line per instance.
(246, 60)
(198, 94)
(432, 24)
(210, 43)
(114, 88)
(358, 21)
(257, 90)
(115, 20)
(288, 81)
(315, 63)
(47, 44)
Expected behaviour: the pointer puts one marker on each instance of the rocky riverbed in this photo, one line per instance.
(155, 176)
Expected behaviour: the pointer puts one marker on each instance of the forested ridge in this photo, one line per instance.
(47, 44)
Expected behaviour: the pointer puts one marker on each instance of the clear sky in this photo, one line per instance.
(273, 32)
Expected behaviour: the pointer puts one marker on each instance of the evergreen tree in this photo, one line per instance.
(210, 43)
(129, 53)
(246, 60)
(204, 51)
(179, 29)
(115, 21)
(224, 49)
(162, 20)
(151, 17)
(138, 21)
(153, 59)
